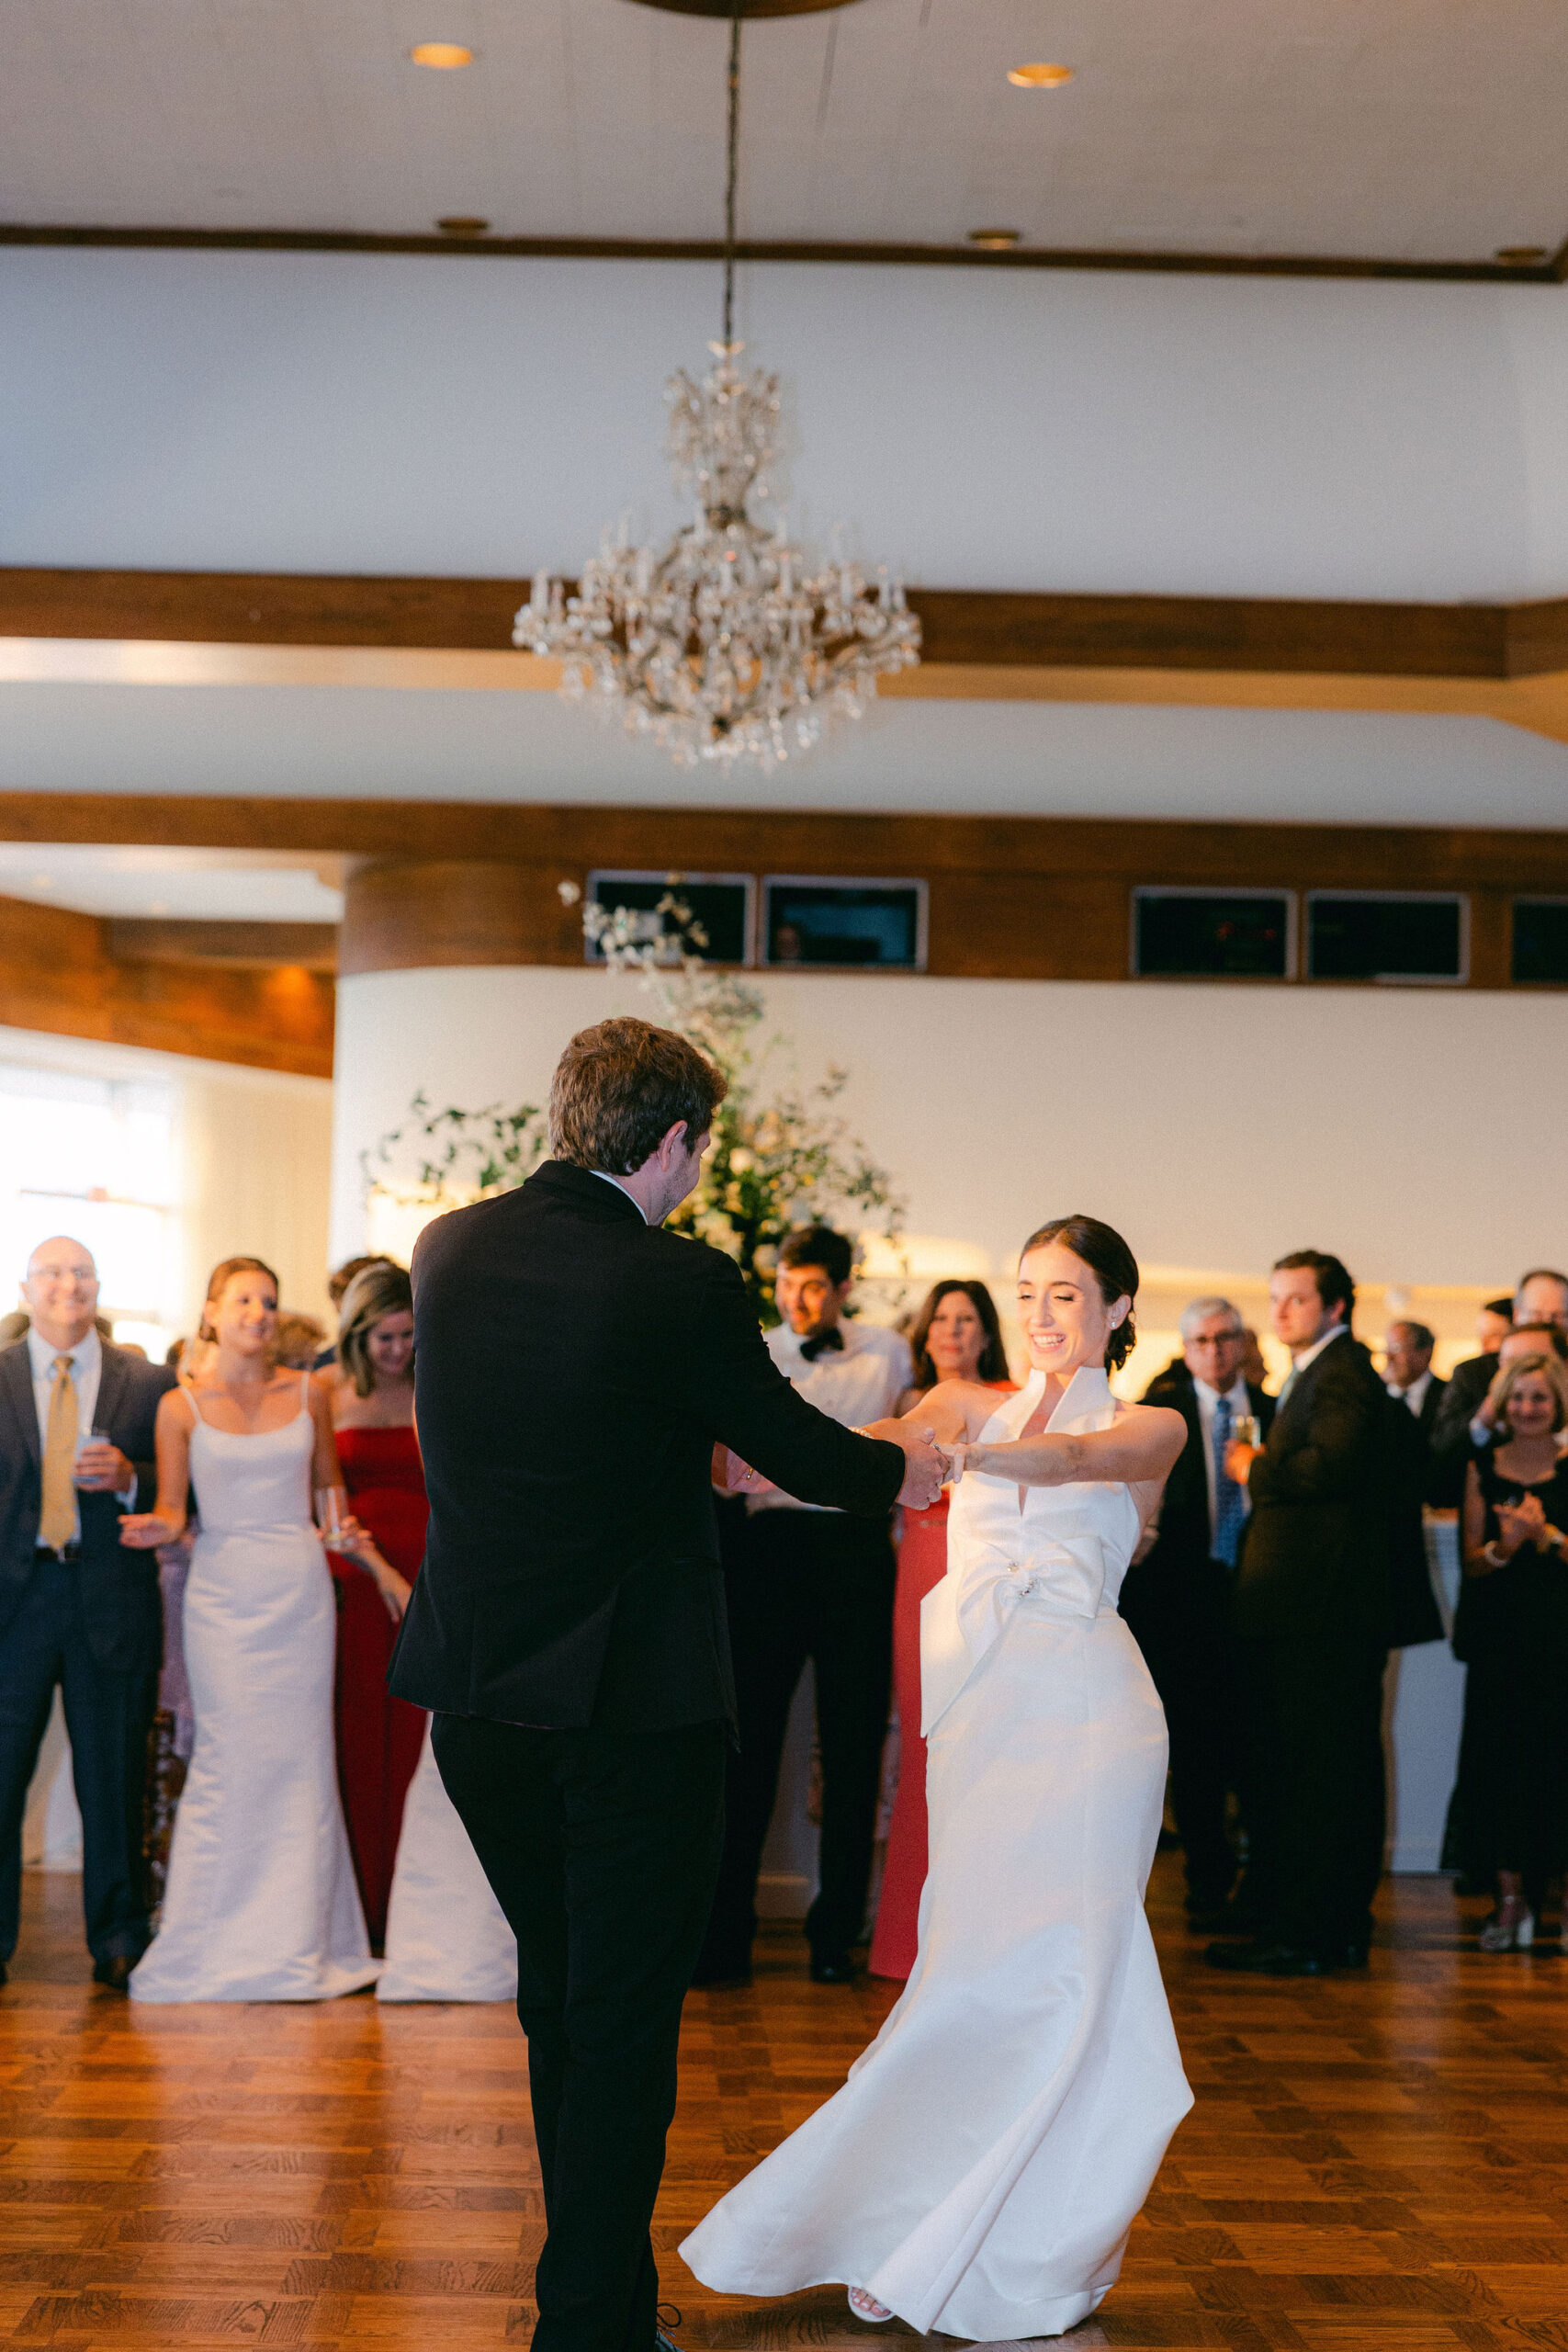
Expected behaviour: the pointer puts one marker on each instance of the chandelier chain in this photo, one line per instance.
(731, 175)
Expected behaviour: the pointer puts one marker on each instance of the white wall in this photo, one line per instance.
(340, 412)
(1216, 1127)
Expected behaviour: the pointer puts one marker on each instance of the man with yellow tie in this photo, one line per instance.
(77, 1611)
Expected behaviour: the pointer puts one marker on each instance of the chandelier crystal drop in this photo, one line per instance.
(731, 644)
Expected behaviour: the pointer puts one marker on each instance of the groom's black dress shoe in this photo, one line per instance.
(115, 1970)
(1267, 1959)
(833, 1968)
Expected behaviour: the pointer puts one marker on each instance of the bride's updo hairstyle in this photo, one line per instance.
(1112, 1265)
(221, 1275)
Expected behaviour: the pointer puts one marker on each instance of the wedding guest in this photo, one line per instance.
(1465, 1849)
(1312, 1614)
(261, 1903)
(1512, 1632)
(1493, 1325)
(338, 1281)
(1407, 1372)
(1176, 1595)
(1539, 1296)
(77, 1611)
(299, 1341)
(379, 1737)
(809, 1582)
(958, 1335)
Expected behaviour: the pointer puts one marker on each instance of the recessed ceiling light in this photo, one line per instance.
(443, 54)
(462, 225)
(1039, 77)
(1520, 256)
(996, 240)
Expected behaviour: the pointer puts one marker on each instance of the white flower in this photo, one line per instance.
(568, 893)
(741, 1161)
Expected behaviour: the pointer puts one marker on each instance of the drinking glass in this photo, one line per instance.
(1246, 1431)
(328, 1517)
(85, 1438)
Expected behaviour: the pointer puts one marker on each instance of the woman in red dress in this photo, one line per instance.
(957, 1336)
(379, 1736)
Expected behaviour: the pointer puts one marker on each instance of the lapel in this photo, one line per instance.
(1289, 1407)
(16, 1388)
(113, 1373)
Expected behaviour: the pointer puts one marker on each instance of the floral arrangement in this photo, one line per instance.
(780, 1156)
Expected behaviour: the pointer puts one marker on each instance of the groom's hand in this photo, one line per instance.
(925, 1466)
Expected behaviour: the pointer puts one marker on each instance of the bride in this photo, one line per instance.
(980, 2169)
(261, 1903)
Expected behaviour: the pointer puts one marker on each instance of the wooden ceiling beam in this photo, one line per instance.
(963, 627)
(1549, 271)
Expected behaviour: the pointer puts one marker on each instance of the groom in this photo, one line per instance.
(575, 1365)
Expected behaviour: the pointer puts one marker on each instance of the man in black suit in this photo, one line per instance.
(1177, 1594)
(576, 1365)
(1539, 1296)
(77, 1608)
(1408, 1375)
(1315, 1607)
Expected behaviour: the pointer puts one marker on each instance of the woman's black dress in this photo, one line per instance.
(1512, 1632)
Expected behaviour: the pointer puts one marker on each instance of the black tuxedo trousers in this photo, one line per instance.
(602, 1847)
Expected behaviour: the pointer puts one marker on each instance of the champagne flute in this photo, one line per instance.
(329, 1517)
(1247, 1430)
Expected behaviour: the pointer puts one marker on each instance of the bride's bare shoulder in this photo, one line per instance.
(959, 1406)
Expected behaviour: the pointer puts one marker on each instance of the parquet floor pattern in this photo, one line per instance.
(1371, 2162)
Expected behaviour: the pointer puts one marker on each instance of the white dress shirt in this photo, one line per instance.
(1208, 1405)
(86, 1371)
(1415, 1395)
(862, 1382)
(1310, 1355)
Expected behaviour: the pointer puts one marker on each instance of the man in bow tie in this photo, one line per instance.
(803, 1583)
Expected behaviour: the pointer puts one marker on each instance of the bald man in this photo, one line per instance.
(77, 1611)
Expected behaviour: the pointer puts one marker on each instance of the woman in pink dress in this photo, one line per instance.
(379, 1736)
(957, 1336)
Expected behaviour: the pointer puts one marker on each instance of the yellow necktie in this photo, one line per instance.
(57, 1520)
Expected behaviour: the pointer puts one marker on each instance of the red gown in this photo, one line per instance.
(379, 1737)
(922, 1563)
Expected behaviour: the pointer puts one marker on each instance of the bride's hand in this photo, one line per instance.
(959, 1458)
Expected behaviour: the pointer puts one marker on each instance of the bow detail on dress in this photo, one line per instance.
(998, 1556)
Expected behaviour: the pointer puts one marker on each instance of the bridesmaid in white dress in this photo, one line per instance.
(261, 1903)
(446, 1934)
(980, 2169)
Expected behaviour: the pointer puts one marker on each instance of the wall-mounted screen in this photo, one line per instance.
(1413, 936)
(720, 906)
(1213, 935)
(1540, 942)
(864, 926)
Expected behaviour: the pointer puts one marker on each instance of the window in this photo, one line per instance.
(1414, 936)
(859, 926)
(1213, 935)
(93, 1158)
(1540, 942)
(721, 906)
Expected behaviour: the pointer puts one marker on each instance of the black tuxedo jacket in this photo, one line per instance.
(119, 1589)
(1174, 1588)
(1449, 1436)
(573, 1367)
(1431, 1406)
(1334, 1544)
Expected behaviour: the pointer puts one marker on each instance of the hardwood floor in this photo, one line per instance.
(1379, 2162)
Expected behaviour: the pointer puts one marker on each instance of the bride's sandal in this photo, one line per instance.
(866, 2306)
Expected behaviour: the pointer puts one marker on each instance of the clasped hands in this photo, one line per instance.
(1525, 1522)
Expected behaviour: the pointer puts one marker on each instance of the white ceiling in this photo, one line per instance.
(188, 885)
(1418, 130)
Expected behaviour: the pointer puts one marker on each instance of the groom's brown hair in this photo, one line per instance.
(621, 1086)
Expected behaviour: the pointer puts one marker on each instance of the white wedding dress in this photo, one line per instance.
(261, 1903)
(446, 1934)
(980, 2169)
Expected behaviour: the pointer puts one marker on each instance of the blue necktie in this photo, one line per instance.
(1230, 1508)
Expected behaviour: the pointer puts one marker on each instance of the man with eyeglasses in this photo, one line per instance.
(1177, 1597)
(77, 1611)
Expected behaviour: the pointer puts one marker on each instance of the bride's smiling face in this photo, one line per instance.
(1066, 1321)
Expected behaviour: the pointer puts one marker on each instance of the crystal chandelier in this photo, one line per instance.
(731, 645)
